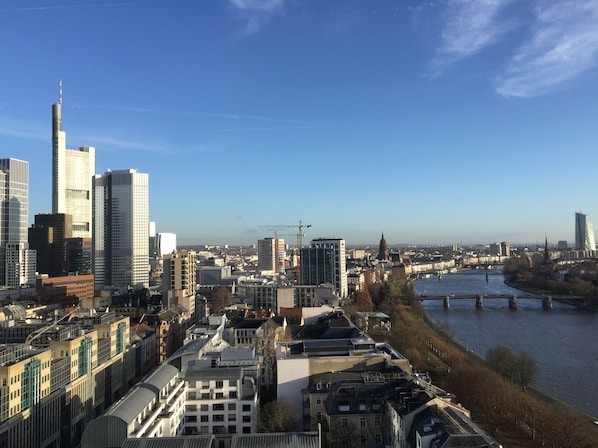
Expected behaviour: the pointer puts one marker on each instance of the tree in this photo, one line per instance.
(363, 300)
(277, 416)
(221, 298)
(525, 369)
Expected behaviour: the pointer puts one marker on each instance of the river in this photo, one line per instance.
(563, 341)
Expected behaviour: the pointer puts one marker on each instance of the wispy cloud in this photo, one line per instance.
(470, 26)
(256, 13)
(27, 131)
(563, 45)
(118, 144)
(66, 6)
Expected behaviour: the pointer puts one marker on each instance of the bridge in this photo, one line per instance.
(479, 299)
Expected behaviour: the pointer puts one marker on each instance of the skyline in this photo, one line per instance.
(355, 117)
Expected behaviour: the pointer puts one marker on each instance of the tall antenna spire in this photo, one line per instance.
(60, 92)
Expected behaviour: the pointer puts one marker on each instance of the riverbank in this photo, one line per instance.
(514, 417)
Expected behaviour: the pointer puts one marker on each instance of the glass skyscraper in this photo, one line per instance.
(121, 229)
(14, 208)
(584, 233)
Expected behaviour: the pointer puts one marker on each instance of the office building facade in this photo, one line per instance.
(340, 262)
(72, 173)
(178, 279)
(121, 228)
(584, 233)
(16, 259)
(47, 237)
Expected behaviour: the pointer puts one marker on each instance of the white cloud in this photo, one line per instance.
(256, 13)
(470, 27)
(563, 45)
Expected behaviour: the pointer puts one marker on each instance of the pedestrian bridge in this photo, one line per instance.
(512, 298)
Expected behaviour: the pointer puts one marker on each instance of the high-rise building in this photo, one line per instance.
(47, 236)
(340, 262)
(72, 172)
(16, 259)
(121, 228)
(178, 279)
(270, 254)
(165, 243)
(584, 233)
(318, 266)
(77, 256)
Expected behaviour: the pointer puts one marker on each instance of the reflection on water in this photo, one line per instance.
(563, 341)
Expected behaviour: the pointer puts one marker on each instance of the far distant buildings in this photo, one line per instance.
(502, 249)
(121, 229)
(72, 172)
(584, 233)
(17, 261)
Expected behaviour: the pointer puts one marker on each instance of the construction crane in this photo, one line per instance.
(300, 235)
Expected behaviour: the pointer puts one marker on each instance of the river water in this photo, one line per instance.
(563, 341)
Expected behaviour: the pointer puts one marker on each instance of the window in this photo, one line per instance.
(232, 429)
(205, 418)
(376, 421)
(219, 395)
(205, 385)
(205, 396)
(246, 408)
(378, 438)
(232, 406)
(219, 384)
(232, 383)
(362, 422)
(319, 416)
(247, 419)
(218, 407)
(192, 384)
(190, 408)
(363, 440)
(218, 417)
(190, 418)
(344, 423)
(319, 401)
(232, 418)
(246, 429)
(204, 408)
(232, 394)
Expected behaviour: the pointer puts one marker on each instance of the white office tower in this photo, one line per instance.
(270, 255)
(178, 279)
(584, 233)
(72, 173)
(340, 261)
(121, 229)
(16, 259)
(165, 243)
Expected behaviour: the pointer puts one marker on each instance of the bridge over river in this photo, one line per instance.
(512, 298)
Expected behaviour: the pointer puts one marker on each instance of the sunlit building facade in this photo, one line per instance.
(72, 172)
(584, 233)
(121, 228)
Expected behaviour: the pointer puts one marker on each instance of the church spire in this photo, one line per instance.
(383, 253)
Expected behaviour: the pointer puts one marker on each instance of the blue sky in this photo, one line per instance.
(455, 121)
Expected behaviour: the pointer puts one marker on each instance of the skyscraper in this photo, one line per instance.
(121, 228)
(72, 172)
(270, 254)
(584, 233)
(16, 259)
(47, 236)
(340, 262)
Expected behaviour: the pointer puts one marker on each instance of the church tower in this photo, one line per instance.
(383, 253)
